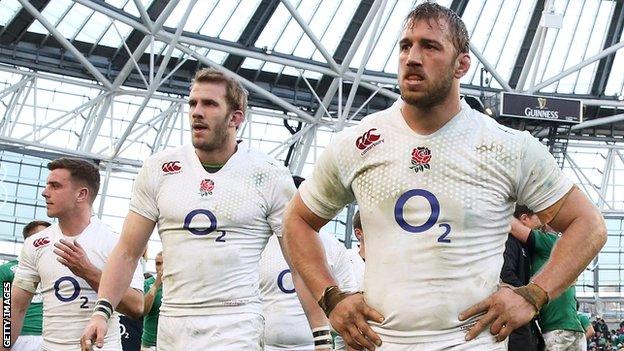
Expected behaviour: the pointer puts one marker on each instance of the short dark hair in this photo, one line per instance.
(81, 170)
(357, 221)
(522, 209)
(235, 94)
(457, 29)
(29, 229)
(298, 180)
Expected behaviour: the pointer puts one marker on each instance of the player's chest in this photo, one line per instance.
(217, 198)
(434, 170)
(51, 269)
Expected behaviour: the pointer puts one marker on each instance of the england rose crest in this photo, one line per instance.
(420, 159)
(206, 186)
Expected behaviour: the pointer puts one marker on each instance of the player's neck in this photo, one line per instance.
(74, 224)
(425, 121)
(218, 156)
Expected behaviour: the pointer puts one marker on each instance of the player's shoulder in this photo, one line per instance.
(369, 128)
(490, 127)
(171, 155)
(261, 161)
(41, 239)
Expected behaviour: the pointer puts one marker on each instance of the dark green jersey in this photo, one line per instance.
(584, 321)
(34, 314)
(560, 313)
(150, 320)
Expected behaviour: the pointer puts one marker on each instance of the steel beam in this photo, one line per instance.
(574, 68)
(66, 44)
(313, 38)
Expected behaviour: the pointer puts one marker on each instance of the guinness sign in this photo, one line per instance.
(541, 108)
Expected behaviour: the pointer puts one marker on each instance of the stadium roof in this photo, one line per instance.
(319, 62)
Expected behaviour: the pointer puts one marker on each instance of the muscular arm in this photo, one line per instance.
(20, 300)
(584, 234)
(123, 260)
(314, 313)
(303, 247)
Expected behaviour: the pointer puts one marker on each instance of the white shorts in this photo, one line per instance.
(241, 331)
(148, 348)
(565, 340)
(28, 343)
(479, 344)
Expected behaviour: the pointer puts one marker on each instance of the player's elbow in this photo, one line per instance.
(599, 228)
(135, 311)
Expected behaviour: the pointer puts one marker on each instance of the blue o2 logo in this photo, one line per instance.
(280, 282)
(57, 288)
(74, 294)
(399, 208)
(189, 217)
(201, 232)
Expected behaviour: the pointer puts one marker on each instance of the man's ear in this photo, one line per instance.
(237, 119)
(462, 65)
(83, 195)
(358, 233)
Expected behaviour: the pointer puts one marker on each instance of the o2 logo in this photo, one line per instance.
(74, 294)
(201, 232)
(429, 223)
(280, 282)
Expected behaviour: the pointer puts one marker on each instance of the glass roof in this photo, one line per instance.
(585, 27)
(497, 29)
(8, 9)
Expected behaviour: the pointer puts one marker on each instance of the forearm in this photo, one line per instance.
(117, 276)
(314, 313)
(92, 277)
(20, 300)
(17, 322)
(148, 299)
(580, 243)
(307, 255)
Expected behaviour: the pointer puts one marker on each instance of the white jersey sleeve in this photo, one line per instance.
(283, 190)
(540, 181)
(327, 191)
(27, 267)
(143, 199)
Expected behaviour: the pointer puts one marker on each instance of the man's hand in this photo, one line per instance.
(349, 319)
(505, 311)
(94, 333)
(74, 257)
(159, 273)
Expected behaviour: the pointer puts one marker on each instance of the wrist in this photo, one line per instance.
(103, 308)
(533, 294)
(322, 338)
(332, 295)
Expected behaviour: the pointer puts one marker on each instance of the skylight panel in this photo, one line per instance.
(8, 10)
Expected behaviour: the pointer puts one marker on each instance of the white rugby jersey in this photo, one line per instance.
(68, 300)
(435, 209)
(286, 326)
(213, 226)
(358, 265)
